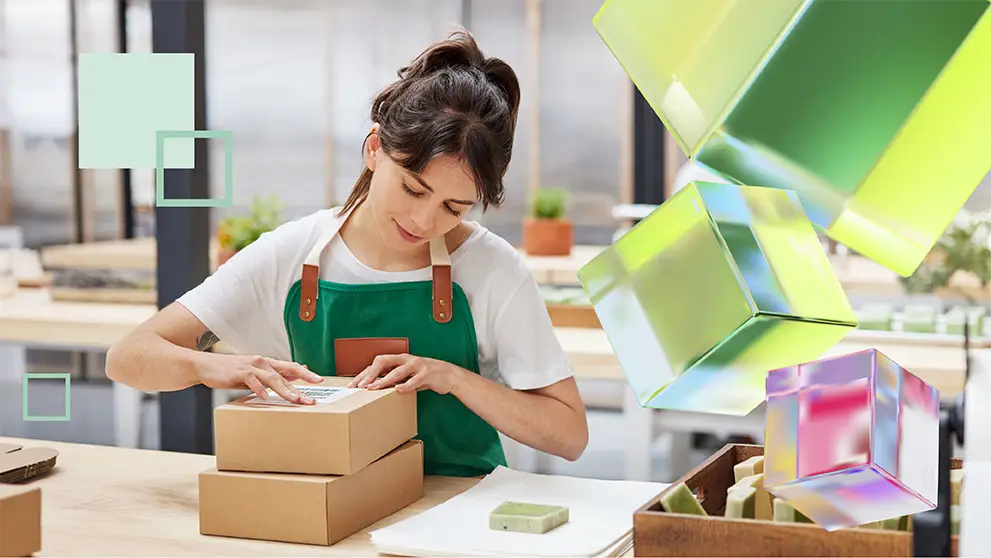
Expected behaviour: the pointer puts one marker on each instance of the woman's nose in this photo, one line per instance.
(423, 218)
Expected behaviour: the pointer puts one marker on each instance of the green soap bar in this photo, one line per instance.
(748, 468)
(741, 503)
(875, 325)
(785, 513)
(891, 524)
(522, 517)
(955, 520)
(919, 311)
(679, 499)
(919, 326)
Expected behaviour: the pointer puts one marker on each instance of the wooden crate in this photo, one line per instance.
(658, 533)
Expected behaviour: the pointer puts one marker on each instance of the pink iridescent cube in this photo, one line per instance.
(851, 439)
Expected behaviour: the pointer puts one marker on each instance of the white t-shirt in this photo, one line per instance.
(243, 301)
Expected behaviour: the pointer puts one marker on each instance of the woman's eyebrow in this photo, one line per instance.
(427, 186)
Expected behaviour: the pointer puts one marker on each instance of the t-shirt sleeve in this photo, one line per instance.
(528, 351)
(243, 300)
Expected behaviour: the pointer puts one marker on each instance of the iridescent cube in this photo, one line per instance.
(876, 113)
(851, 439)
(718, 285)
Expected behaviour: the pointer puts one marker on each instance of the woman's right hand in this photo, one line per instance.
(256, 373)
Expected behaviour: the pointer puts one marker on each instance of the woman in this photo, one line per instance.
(449, 308)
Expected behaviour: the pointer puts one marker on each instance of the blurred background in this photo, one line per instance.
(293, 80)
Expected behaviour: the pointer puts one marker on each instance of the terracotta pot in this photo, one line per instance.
(548, 237)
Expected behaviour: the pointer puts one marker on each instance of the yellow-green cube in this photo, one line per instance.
(717, 286)
(875, 112)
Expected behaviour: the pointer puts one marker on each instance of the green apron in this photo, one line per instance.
(433, 315)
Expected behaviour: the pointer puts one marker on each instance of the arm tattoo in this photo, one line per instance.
(207, 340)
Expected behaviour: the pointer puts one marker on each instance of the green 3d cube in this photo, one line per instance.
(717, 286)
(875, 112)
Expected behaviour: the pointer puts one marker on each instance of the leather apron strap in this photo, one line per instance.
(440, 263)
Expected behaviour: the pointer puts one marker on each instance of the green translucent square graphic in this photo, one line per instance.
(690, 59)
(124, 99)
(26, 416)
(883, 135)
(228, 198)
(717, 286)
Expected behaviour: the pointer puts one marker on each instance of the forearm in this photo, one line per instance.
(148, 362)
(536, 420)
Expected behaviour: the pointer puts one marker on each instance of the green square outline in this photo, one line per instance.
(162, 135)
(24, 396)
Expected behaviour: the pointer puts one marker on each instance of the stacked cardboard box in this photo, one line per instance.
(20, 520)
(311, 474)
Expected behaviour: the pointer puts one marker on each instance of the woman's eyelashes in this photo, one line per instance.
(411, 192)
(415, 194)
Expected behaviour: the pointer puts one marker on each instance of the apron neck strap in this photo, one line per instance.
(443, 288)
(440, 263)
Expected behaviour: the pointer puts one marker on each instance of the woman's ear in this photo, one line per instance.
(373, 144)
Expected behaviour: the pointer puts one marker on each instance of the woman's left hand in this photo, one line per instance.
(408, 373)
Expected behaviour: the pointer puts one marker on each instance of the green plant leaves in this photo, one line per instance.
(239, 231)
(549, 203)
(963, 247)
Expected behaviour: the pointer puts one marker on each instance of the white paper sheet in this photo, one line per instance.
(322, 395)
(601, 515)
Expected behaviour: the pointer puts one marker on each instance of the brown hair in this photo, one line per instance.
(450, 100)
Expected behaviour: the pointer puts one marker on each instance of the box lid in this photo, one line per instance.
(18, 463)
(332, 394)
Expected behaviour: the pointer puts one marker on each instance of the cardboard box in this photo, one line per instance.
(20, 520)
(659, 533)
(338, 438)
(309, 509)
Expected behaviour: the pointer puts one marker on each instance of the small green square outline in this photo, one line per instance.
(162, 135)
(24, 396)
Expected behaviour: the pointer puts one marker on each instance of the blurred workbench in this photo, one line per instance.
(858, 275)
(31, 318)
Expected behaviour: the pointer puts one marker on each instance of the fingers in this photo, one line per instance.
(377, 368)
(257, 387)
(294, 371)
(414, 383)
(399, 374)
(268, 376)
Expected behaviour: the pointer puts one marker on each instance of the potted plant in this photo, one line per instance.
(965, 247)
(237, 231)
(546, 231)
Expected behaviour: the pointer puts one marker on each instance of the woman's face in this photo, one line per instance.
(411, 210)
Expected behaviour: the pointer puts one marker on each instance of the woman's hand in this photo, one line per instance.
(408, 373)
(256, 373)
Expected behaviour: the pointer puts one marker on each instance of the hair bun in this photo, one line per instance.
(460, 49)
(502, 75)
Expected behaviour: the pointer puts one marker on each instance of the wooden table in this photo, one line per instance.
(106, 501)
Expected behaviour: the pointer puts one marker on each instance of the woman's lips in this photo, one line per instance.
(408, 236)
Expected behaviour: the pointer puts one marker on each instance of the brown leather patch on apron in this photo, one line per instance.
(353, 355)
